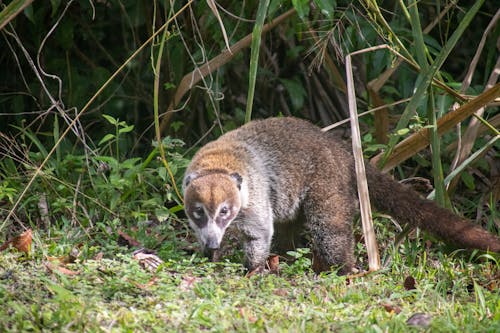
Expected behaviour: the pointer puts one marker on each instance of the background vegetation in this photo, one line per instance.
(84, 84)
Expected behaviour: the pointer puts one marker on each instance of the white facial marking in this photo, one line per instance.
(244, 194)
(196, 213)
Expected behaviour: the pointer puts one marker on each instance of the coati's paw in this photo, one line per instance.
(270, 267)
(259, 270)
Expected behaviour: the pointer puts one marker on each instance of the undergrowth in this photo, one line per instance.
(113, 293)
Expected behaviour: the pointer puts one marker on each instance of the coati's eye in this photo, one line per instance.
(223, 211)
(198, 213)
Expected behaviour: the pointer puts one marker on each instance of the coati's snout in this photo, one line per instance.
(212, 203)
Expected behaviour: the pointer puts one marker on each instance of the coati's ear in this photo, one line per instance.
(188, 178)
(237, 178)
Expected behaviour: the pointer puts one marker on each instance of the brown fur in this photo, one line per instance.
(271, 170)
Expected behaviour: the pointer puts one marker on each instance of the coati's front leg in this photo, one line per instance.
(329, 222)
(257, 230)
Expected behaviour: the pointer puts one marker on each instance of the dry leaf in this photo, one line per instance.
(60, 269)
(188, 282)
(127, 240)
(66, 259)
(5, 245)
(410, 283)
(258, 270)
(99, 256)
(273, 263)
(252, 319)
(21, 243)
(281, 292)
(146, 285)
(61, 259)
(391, 308)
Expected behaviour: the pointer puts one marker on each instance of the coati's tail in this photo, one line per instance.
(407, 207)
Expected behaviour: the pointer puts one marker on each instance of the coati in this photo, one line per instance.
(264, 173)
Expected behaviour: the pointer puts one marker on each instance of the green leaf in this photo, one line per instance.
(402, 131)
(169, 85)
(296, 92)
(326, 7)
(468, 180)
(274, 5)
(106, 138)
(254, 55)
(110, 119)
(65, 34)
(126, 129)
(162, 172)
(28, 12)
(302, 7)
(55, 6)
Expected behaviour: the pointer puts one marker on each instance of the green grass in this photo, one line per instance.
(188, 294)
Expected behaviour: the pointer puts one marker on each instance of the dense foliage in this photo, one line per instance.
(80, 159)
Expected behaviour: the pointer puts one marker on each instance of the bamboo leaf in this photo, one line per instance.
(12, 10)
(418, 37)
(254, 56)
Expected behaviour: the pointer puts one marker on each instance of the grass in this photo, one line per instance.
(113, 293)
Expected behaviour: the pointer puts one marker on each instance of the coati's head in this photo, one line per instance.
(212, 201)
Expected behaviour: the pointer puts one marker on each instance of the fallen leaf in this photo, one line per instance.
(63, 270)
(391, 308)
(61, 259)
(146, 285)
(127, 240)
(22, 242)
(257, 270)
(66, 259)
(252, 319)
(281, 292)
(188, 282)
(410, 283)
(5, 245)
(99, 256)
(273, 263)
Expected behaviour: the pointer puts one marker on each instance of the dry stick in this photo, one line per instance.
(364, 197)
(341, 122)
(190, 79)
(418, 141)
(92, 99)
